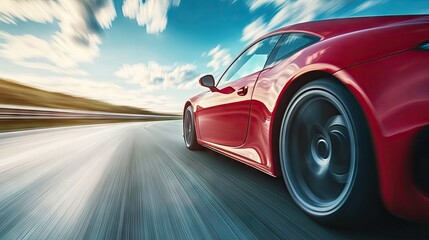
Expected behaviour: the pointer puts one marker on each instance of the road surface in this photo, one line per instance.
(138, 181)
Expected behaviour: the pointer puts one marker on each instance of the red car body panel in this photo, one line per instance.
(223, 115)
(380, 66)
(397, 108)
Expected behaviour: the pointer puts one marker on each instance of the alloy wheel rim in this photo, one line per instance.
(318, 151)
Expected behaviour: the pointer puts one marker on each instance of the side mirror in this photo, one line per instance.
(209, 82)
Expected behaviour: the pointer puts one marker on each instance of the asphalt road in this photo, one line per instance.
(138, 181)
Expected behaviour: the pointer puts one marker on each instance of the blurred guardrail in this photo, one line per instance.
(11, 112)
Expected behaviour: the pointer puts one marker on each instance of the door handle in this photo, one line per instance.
(242, 91)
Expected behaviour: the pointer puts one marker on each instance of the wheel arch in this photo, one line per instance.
(187, 104)
(286, 96)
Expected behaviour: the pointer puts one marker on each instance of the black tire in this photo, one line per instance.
(189, 134)
(326, 156)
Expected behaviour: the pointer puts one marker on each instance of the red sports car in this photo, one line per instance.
(340, 108)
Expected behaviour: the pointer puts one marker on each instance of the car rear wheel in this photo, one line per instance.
(189, 133)
(326, 155)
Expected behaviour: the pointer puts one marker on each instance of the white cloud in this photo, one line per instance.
(77, 41)
(61, 52)
(52, 68)
(106, 14)
(151, 13)
(254, 30)
(103, 91)
(289, 12)
(254, 4)
(367, 5)
(41, 11)
(153, 76)
(220, 57)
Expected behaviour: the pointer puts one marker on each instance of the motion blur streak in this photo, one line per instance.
(137, 181)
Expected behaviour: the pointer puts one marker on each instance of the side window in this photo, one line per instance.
(251, 61)
(289, 44)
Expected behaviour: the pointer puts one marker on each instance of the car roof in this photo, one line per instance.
(335, 27)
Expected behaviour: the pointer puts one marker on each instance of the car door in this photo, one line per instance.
(279, 68)
(223, 115)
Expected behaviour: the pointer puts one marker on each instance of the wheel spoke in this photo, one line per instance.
(340, 158)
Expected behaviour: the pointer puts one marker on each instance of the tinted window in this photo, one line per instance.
(251, 61)
(290, 44)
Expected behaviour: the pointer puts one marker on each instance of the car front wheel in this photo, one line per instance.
(189, 133)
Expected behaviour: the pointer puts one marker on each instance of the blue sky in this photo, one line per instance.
(149, 54)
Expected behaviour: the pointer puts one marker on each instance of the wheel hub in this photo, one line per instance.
(319, 150)
(322, 148)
